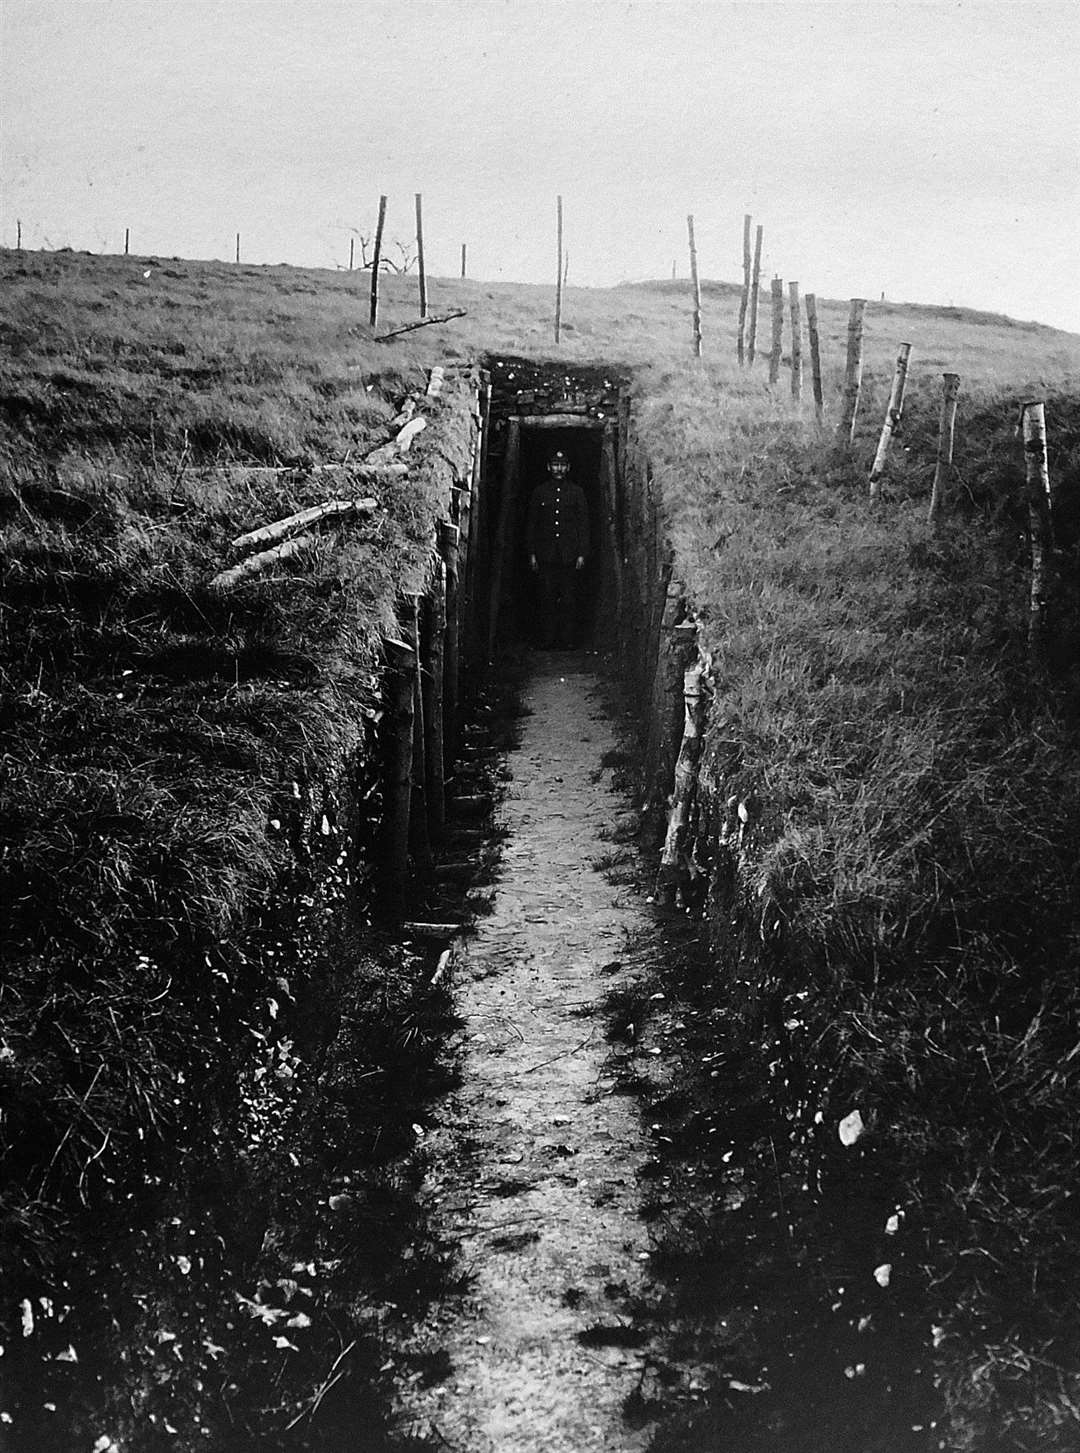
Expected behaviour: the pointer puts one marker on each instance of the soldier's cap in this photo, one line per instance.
(558, 458)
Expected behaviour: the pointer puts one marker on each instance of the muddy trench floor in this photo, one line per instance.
(595, 1304)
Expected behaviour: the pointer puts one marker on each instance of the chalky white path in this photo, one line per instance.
(535, 1162)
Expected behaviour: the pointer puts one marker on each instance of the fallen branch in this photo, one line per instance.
(422, 323)
(251, 473)
(265, 558)
(334, 508)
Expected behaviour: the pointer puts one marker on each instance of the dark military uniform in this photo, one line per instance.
(557, 537)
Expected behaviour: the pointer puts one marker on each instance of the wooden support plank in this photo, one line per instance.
(419, 833)
(448, 536)
(502, 542)
(434, 661)
(397, 727)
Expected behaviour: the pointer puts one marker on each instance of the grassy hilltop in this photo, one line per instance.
(915, 776)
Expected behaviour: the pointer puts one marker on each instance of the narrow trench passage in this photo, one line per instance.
(534, 1159)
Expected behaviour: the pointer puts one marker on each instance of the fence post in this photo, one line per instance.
(845, 430)
(815, 355)
(352, 252)
(744, 297)
(463, 253)
(696, 287)
(238, 247)
(558, 268)
(374, 316)
(18, 235)
(796, 342)
(777, 288)
(127, 241)
(420, 254)
(892, 418)
(946, 434)
(672, 872)
(755, 286)
(1040, 521)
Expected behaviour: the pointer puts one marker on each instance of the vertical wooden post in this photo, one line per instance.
(420, 254)
(434, 685)
(892, 418)
(503, 542)
(845, 430)
(755, 287)
(558, 268)
(238, 247)
(796, 342)
(464, 251)
(815, 355)
(374, 315)
(666, 710)
(744, 299)
(419, 839)
(352, 252)
(672, 872)
(776, 352)
(127, 241)
(1040, 523)
(397, 788)
(946, 435)
(448, 550)
(696, 285)
(18, 235)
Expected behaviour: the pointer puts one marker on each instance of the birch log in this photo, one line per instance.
(255, 564)
(815, 355)
(893, 415)
(333, 509)
(845, 430)
(946, 437)
(672, 869)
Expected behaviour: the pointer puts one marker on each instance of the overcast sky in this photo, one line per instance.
(925, 150)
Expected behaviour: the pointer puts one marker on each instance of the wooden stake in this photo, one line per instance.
(796, 342)
(558, 269)
(352, 252)
(1040, 524)
(238, 247)
(397, 789)
(502, 546)
(127, 241)
(815, 355)
(776, 353)
(744, 299)
(946, 435)
(18, 235)
(380, 224)
(755, 287)
(419, 837)
(420, 254)
(463, 254)
(892, 418)
(696, 285)
(845, 430)
(448, 549)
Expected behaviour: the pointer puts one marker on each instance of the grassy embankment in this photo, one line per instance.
(917, 783)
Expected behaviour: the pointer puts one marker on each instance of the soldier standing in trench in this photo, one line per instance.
(557, 541)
